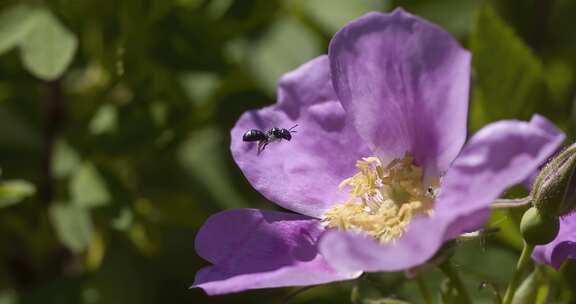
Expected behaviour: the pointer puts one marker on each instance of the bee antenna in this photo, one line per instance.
(294, 126)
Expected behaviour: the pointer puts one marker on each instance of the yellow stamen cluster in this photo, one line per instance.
(382, 199)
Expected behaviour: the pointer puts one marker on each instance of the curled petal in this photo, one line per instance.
(404, 83)
(252, 249)
(562, 247)
(303, 174)
(546, 126)
(498, 156)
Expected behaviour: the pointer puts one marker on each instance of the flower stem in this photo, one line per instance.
(504, 203)
(456, 282)
(520, 268)
(424, 291)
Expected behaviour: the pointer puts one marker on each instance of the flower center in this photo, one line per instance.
(382, 199)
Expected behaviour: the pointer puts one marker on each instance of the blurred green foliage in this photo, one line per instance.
(114, 134)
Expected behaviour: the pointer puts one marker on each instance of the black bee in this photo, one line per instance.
(264, 138)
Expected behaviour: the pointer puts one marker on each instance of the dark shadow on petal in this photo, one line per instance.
(257, 242)
(306, 247)
(562, 251)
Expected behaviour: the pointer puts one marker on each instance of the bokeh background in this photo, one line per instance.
(114, 134)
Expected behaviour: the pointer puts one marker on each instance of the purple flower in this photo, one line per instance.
(562, 247)
(376, 172)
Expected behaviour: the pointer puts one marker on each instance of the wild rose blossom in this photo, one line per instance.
(376, 174)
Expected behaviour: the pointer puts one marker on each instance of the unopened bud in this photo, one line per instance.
(554, 191)
(538, 228)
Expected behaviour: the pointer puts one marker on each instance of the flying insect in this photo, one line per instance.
(264, 138)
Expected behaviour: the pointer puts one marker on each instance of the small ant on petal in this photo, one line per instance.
(264, 138)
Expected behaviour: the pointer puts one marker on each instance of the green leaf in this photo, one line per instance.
(15, 23)
(200, 154)
(509, 229)
(334, 14)
(105, 120)
(364, 291)
(559, 79)
(526, 293)
(455, 16)
(14, 191)
(48, 48)
(448, 293)
(8, 297)
(122, 267)
(87, 187)
(124, 220)
(65, 160)
(385, 301)
(159, 113)
(217, 8)
(73, 225)
(189, 3)
(287, 45)
(200, 86)
(473, 259)
(507, 73)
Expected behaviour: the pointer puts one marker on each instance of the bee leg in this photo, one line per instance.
(261, 146)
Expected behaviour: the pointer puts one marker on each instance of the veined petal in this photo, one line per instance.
(498, 156)
(303, 174)
(404, 83)
(252, 249)
(562, 247)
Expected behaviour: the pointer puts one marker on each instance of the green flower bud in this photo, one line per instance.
(538, 228)
(554, 191)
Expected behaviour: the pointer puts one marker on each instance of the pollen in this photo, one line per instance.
(383, 198)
